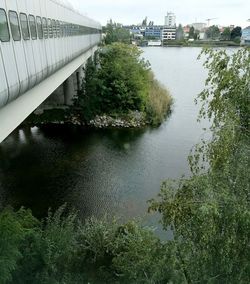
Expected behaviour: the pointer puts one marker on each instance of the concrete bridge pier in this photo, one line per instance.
(69, 90)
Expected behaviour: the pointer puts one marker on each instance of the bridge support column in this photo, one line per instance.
(80, 76)
(69, 90)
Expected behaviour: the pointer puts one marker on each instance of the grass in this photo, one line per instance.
(159, 102)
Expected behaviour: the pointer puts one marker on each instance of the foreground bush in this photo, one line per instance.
(210, 211)
(61, 249)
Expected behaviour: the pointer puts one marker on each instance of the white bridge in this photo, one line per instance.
(43, 44)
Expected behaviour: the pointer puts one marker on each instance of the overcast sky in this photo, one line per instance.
(227, 12)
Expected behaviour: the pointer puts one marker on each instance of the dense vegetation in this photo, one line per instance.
(117, 82)
(116, 33)
(209, 212)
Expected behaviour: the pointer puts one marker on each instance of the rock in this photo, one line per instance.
(133, 119)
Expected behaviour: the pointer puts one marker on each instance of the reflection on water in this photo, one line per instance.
(111, 171)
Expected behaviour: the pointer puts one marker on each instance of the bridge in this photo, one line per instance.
(44, 45)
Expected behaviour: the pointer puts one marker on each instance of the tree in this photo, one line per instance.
(213, 32)
(236, 34)
(180, 33)
(196, 34)
(119, 82)
(145, 22)
(191, 33)
(14, 228)
(226, 34)
(209, 212)
(116, 33)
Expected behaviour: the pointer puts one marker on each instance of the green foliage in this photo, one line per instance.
(209, 213)
(114, 32)
(226, 34)
(236, 33)
(61, 249)
(213, 32)
(14, 228)
(158, 102)
(118, 81)
(225, 101)
(191, 32)
(180, 33)
(145, 22)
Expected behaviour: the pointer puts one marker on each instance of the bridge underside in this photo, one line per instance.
(17, 111)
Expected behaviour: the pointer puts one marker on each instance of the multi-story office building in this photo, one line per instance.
(153, 32)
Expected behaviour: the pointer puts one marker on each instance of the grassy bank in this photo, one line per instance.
(201, 43)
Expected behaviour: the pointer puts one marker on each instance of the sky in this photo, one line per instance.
(226, 12)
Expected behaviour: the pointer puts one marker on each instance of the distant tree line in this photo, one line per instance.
(211, 33)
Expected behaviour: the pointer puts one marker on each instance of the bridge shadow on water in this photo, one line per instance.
(45, 167)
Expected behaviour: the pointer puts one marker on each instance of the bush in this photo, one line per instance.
(61, 249)
(118, 81)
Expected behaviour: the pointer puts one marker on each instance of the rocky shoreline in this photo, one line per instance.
(134, 119)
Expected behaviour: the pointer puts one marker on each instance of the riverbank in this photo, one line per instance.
(197, 43)
(57, 116)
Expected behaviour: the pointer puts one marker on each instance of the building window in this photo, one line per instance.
(45, 28)
(4, 29)
(50, 28)
(32, 23)
(14, 26)
(39, 27)
(54, 28)
(58, 28)
(24, 26)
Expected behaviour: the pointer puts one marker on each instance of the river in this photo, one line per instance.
(111, 172)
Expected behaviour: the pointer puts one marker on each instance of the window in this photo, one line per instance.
(4, 29)
(39, 27)
(58, 28)
(14, 26)
(45, 28)
(33, 31)
(66, 29)
(61, 29)
(54, 27)
(50, 28)
(24, 26)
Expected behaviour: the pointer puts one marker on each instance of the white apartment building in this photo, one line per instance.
(168, 33)
(170, 19)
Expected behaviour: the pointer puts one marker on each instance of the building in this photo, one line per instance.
(186, 30)
(199, 26)
(170, 20)
(168, 33)
(154, 42)
(153, 32)
(245, 38)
